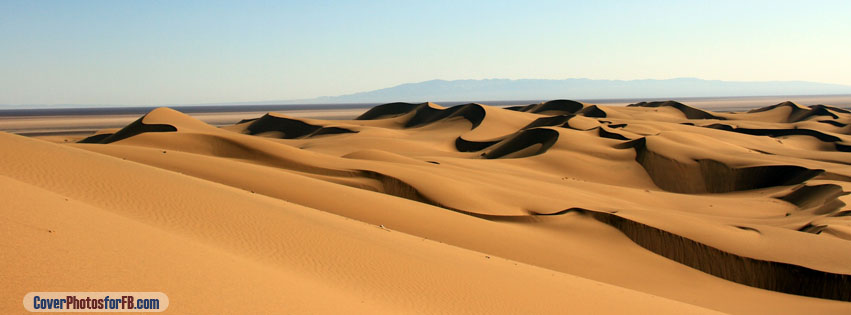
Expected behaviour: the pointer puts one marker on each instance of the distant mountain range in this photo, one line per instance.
(539, 89)
(536, 89)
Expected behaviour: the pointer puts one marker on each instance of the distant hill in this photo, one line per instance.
(536, 89)
(539, 89)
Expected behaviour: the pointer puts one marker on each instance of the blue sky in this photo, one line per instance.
(183, 52)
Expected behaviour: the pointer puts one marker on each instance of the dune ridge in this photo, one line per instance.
(781, 277)
(134, 128)
(711, 176)
(290, 128)
(688, 111)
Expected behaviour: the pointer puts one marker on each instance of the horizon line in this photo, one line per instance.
(9, 108)
(319, 99)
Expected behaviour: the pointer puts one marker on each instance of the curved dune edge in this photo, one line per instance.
(821, 199)
(425, 113)
(389, 110)
(517, 145)
(799, 113)
(778, 132)
(463, 145)
(709, 176)
(561, 107)
(290, 128)
(688, 111)
(135, 128)
(161, 119)
(769, 275)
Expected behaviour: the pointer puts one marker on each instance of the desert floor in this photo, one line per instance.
(554, 207)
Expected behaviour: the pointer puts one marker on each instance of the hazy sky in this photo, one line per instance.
(178, 52)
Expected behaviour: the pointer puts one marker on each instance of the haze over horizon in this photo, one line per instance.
(143, 53)
(534, 90)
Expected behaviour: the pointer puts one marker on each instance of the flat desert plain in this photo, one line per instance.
(549, 208)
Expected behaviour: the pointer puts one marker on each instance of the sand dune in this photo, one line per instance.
(688, 111)
(543, 208)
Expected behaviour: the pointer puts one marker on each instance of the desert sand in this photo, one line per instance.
(551, 208)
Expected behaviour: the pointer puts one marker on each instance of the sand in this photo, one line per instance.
(656, 207)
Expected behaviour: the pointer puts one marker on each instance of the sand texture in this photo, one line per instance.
(558, 207)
